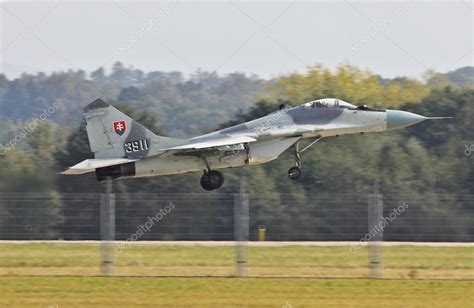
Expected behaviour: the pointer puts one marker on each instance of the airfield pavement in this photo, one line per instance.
(250, 243)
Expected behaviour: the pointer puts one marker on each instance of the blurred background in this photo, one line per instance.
(185, 69)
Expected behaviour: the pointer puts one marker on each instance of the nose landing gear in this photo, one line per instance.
(294, 173)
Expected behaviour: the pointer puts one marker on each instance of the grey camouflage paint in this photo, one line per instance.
(273, 133)
(254, 142)
(137, 133)
(291, 122)
(305, 122)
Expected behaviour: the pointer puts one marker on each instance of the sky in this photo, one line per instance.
(267, 38)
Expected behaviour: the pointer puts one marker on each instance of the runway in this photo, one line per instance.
(251, 243)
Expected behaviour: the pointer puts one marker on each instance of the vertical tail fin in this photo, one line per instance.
(113, 134)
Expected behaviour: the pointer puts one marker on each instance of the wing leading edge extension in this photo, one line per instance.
(213, 143)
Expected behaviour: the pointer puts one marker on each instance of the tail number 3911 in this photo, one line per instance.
(136, 146)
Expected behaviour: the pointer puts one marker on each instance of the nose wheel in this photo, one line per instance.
(294, 173)
(211, 180)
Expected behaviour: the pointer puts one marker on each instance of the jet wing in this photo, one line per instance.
(213, 143)
(89, 165)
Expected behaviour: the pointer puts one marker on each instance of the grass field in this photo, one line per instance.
(57, 292)
(429, 276)
(400, 262)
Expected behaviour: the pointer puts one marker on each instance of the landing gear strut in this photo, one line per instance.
(211, 179)
(294, 173)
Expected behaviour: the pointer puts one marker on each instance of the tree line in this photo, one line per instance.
(429, 164)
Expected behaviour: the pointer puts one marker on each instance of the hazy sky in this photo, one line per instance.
(267, 38)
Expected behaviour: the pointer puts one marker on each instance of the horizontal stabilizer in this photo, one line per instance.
(89, 165)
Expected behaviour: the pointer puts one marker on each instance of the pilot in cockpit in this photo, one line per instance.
(328, 103)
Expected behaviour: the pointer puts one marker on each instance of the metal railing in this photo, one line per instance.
(351, 220)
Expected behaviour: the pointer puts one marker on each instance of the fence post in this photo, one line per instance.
(241, 229)
(107, 229)
(375, 229)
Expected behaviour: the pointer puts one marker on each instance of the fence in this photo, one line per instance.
(320, 235)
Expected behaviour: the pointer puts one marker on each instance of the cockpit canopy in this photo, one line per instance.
(328, 103)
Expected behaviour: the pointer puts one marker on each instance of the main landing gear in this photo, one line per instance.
(211, 179)
(294, 173)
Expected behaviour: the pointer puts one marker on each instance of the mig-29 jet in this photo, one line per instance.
(123, 147)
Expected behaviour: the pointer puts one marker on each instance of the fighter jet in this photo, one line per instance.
(124, 148)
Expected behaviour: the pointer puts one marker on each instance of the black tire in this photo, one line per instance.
(205, 182)
(294, 173)
(212, 180)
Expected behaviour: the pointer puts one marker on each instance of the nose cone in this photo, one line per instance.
(399, 119)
